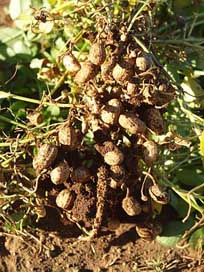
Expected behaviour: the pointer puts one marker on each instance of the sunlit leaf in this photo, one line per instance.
(17, 7)
(197, 239)
(52, 2)
(202, 144)
(173, 231)
(46, 27)
(53, 110)
(36, 63)
(10, 34)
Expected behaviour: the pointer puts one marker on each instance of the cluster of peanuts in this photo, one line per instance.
(121, 97)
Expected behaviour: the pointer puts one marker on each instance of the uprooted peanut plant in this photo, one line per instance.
(99, 160)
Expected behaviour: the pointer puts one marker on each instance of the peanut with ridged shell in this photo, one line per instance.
(111, 111)
(132, 123)
(68, 137)
(60, 173)
(97, 53)
(65, 199)
(87, 72)
(46, 156)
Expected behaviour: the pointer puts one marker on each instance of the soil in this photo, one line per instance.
(60, 250)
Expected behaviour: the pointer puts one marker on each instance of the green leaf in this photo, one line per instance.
(178, 204)
(17, 7)
(12, 43)
(196, 240)
(191, 176)
(36, 63)
(18, 108)
(53, 110)
(8, 34)
(18, 105)
(17, 216)
(52, 2)
(173, 231)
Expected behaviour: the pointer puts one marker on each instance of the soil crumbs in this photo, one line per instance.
(116, 250)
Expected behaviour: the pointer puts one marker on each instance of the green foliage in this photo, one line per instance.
(196, 240)
(173, 231)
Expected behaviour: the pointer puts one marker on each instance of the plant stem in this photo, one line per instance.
(31, 100)
(7, 120)
(137, 14)
(59, 83)
(180, 42)
(31, 139)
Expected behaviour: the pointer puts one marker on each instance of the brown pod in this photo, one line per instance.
(148, 231)
(88, 71)
(2, 178)
(65, 199)
(161, 99)
(132, 88)
(121, 75)
(143, 62)
(46, 156)
(111, 112)
(131, 123)
(114, 157)
(107, 68)
(71, 64)
(127, 63)
(154, 120)
(81, 174)
(111, 153)
(150, 152)
(97, 53)
(35, 118)
(159, 194)
(131, 206)
(68, 137)
(60, 173)
(117, 173)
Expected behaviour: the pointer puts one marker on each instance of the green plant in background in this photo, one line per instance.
(36, 94)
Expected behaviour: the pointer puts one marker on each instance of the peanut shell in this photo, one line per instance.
(150, 152)
(131, 123)
(121, 75)
(143, 62)
(114, 157)
(46, 156)
(60, 173)
(131, 206)
(88, 71)
(97, 53)
(155, 121)
(111, 112)
(68, 137)
(71, 64)
(65, 199)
